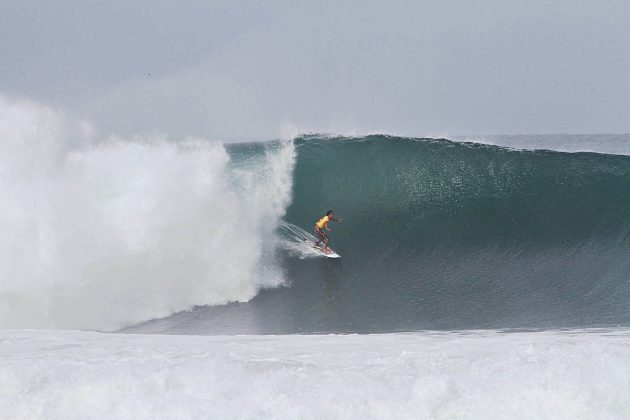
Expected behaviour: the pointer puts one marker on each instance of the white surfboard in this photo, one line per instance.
(329, 254)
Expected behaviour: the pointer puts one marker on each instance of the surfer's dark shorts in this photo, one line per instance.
(321, 234)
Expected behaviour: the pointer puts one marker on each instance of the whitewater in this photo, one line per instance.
(148, 277)
(111, 233)
(464, 375)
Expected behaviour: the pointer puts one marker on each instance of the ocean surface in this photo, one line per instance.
(438, 235)
(494, 269)
(195, 237)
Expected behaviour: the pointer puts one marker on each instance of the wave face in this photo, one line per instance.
(462, 235)
(446, 235)
(123, 231)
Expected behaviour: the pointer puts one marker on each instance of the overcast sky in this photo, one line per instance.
(252, 70)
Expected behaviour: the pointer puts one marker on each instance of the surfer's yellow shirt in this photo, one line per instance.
(323, 222)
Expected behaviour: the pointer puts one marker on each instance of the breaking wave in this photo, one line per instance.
(114, 233)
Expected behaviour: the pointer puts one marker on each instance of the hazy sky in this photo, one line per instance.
(237, 69)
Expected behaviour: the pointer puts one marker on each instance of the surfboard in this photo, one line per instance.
(330, 254)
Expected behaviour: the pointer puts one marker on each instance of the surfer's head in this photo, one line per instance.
(329, 213)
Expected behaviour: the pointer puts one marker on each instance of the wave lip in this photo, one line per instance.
(614, 144)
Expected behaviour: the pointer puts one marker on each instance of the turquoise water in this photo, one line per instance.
(444, 235)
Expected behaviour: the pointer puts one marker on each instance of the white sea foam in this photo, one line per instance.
(473, 375)
(297, 242)
(103, 235)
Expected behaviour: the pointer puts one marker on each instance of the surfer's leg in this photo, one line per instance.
(319, 236)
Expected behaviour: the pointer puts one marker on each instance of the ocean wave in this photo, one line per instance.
(444, 235)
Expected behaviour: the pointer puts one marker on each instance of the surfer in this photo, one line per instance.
(322, 224)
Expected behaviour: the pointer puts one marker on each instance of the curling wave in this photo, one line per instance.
(445, 235)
